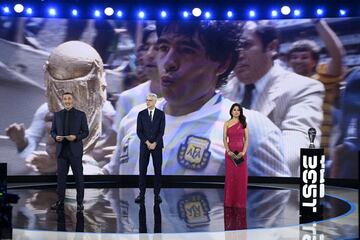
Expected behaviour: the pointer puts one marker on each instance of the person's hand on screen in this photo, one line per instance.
(40, 162)
(103, 154)
(16, 133)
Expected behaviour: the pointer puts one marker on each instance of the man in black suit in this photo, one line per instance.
(69, 128)
(150, 130)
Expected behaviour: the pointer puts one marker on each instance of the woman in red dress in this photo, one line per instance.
(236, 177)
(236, 143)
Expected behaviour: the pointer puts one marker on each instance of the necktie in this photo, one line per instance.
(151, 116)
(246, 103)
(66, 124)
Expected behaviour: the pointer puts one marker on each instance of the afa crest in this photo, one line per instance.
(194, 153)
(194, 210)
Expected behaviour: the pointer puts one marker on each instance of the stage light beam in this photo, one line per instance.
(207, 15)
(52, 12)
(285, 10)
(196, 12)
(19, 8)
(252, 13)
(274, 13)
(109, 11)
(141, 14)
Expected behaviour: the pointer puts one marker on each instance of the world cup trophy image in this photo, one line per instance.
(312, 135)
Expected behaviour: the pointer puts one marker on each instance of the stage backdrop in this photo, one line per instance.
(194, 141)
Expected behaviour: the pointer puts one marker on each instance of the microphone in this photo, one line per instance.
(312, 135)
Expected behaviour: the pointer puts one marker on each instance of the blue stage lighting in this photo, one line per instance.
(6, 9)
(274, 13)
(207, 15)
(342, 12)
(185, 14)
(97, 13)
(141, 14)
(29, 11)
(163, 14)
(229, 14)
(119, 13)
(52, 12)
(297, 12)
(252, 13)
(319, 11)
(74, 12)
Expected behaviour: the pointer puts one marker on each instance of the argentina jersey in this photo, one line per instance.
(193, 143)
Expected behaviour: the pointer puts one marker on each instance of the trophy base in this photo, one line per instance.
(312, 146)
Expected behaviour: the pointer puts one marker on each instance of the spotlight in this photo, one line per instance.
(285, 10)
(196, 12)
(274, 13)
(342, 12)
(52, 12)
(141, 14)
(119, 13)
(109, 11)
(252, 13)
(163, 14)
(319, 11)
(19, 8)
(207, 15)
(297, 12)
(229, 14)
(6, 9)
(97, 13)
(29, 11)
(74, 12)
(185, 14)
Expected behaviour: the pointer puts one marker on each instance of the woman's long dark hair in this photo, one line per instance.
(242, 118)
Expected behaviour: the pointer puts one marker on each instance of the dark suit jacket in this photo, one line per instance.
(78, 127)
(151, 131)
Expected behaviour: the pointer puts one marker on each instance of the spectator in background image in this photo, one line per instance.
(303, 58)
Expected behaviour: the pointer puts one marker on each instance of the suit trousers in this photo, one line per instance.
(66, 159)
(143, 165)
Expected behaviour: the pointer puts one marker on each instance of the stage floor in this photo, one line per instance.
(185, 213)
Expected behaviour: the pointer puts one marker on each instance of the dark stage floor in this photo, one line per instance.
(183, 210)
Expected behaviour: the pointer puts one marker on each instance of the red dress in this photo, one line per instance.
(234, 218)
(236, 177)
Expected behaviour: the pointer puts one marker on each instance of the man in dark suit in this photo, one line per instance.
(150, 130)
(69, 128)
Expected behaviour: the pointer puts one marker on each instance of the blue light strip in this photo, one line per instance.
(214, 12)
